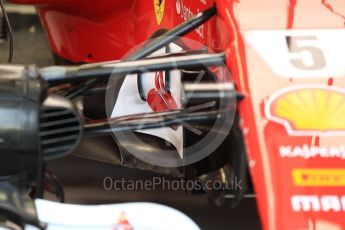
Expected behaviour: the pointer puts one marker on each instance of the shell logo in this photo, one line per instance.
(309, 110)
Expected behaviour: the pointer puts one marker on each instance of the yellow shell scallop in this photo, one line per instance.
(311, 109)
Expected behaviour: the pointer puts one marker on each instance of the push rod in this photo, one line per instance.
(154, 45)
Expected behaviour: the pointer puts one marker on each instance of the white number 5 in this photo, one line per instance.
(295, 46)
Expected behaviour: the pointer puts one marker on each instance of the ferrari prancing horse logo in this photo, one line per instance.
(159, 10)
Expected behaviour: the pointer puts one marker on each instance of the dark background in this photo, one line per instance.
(83, 178)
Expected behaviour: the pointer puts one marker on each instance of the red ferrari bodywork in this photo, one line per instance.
(293, 112)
